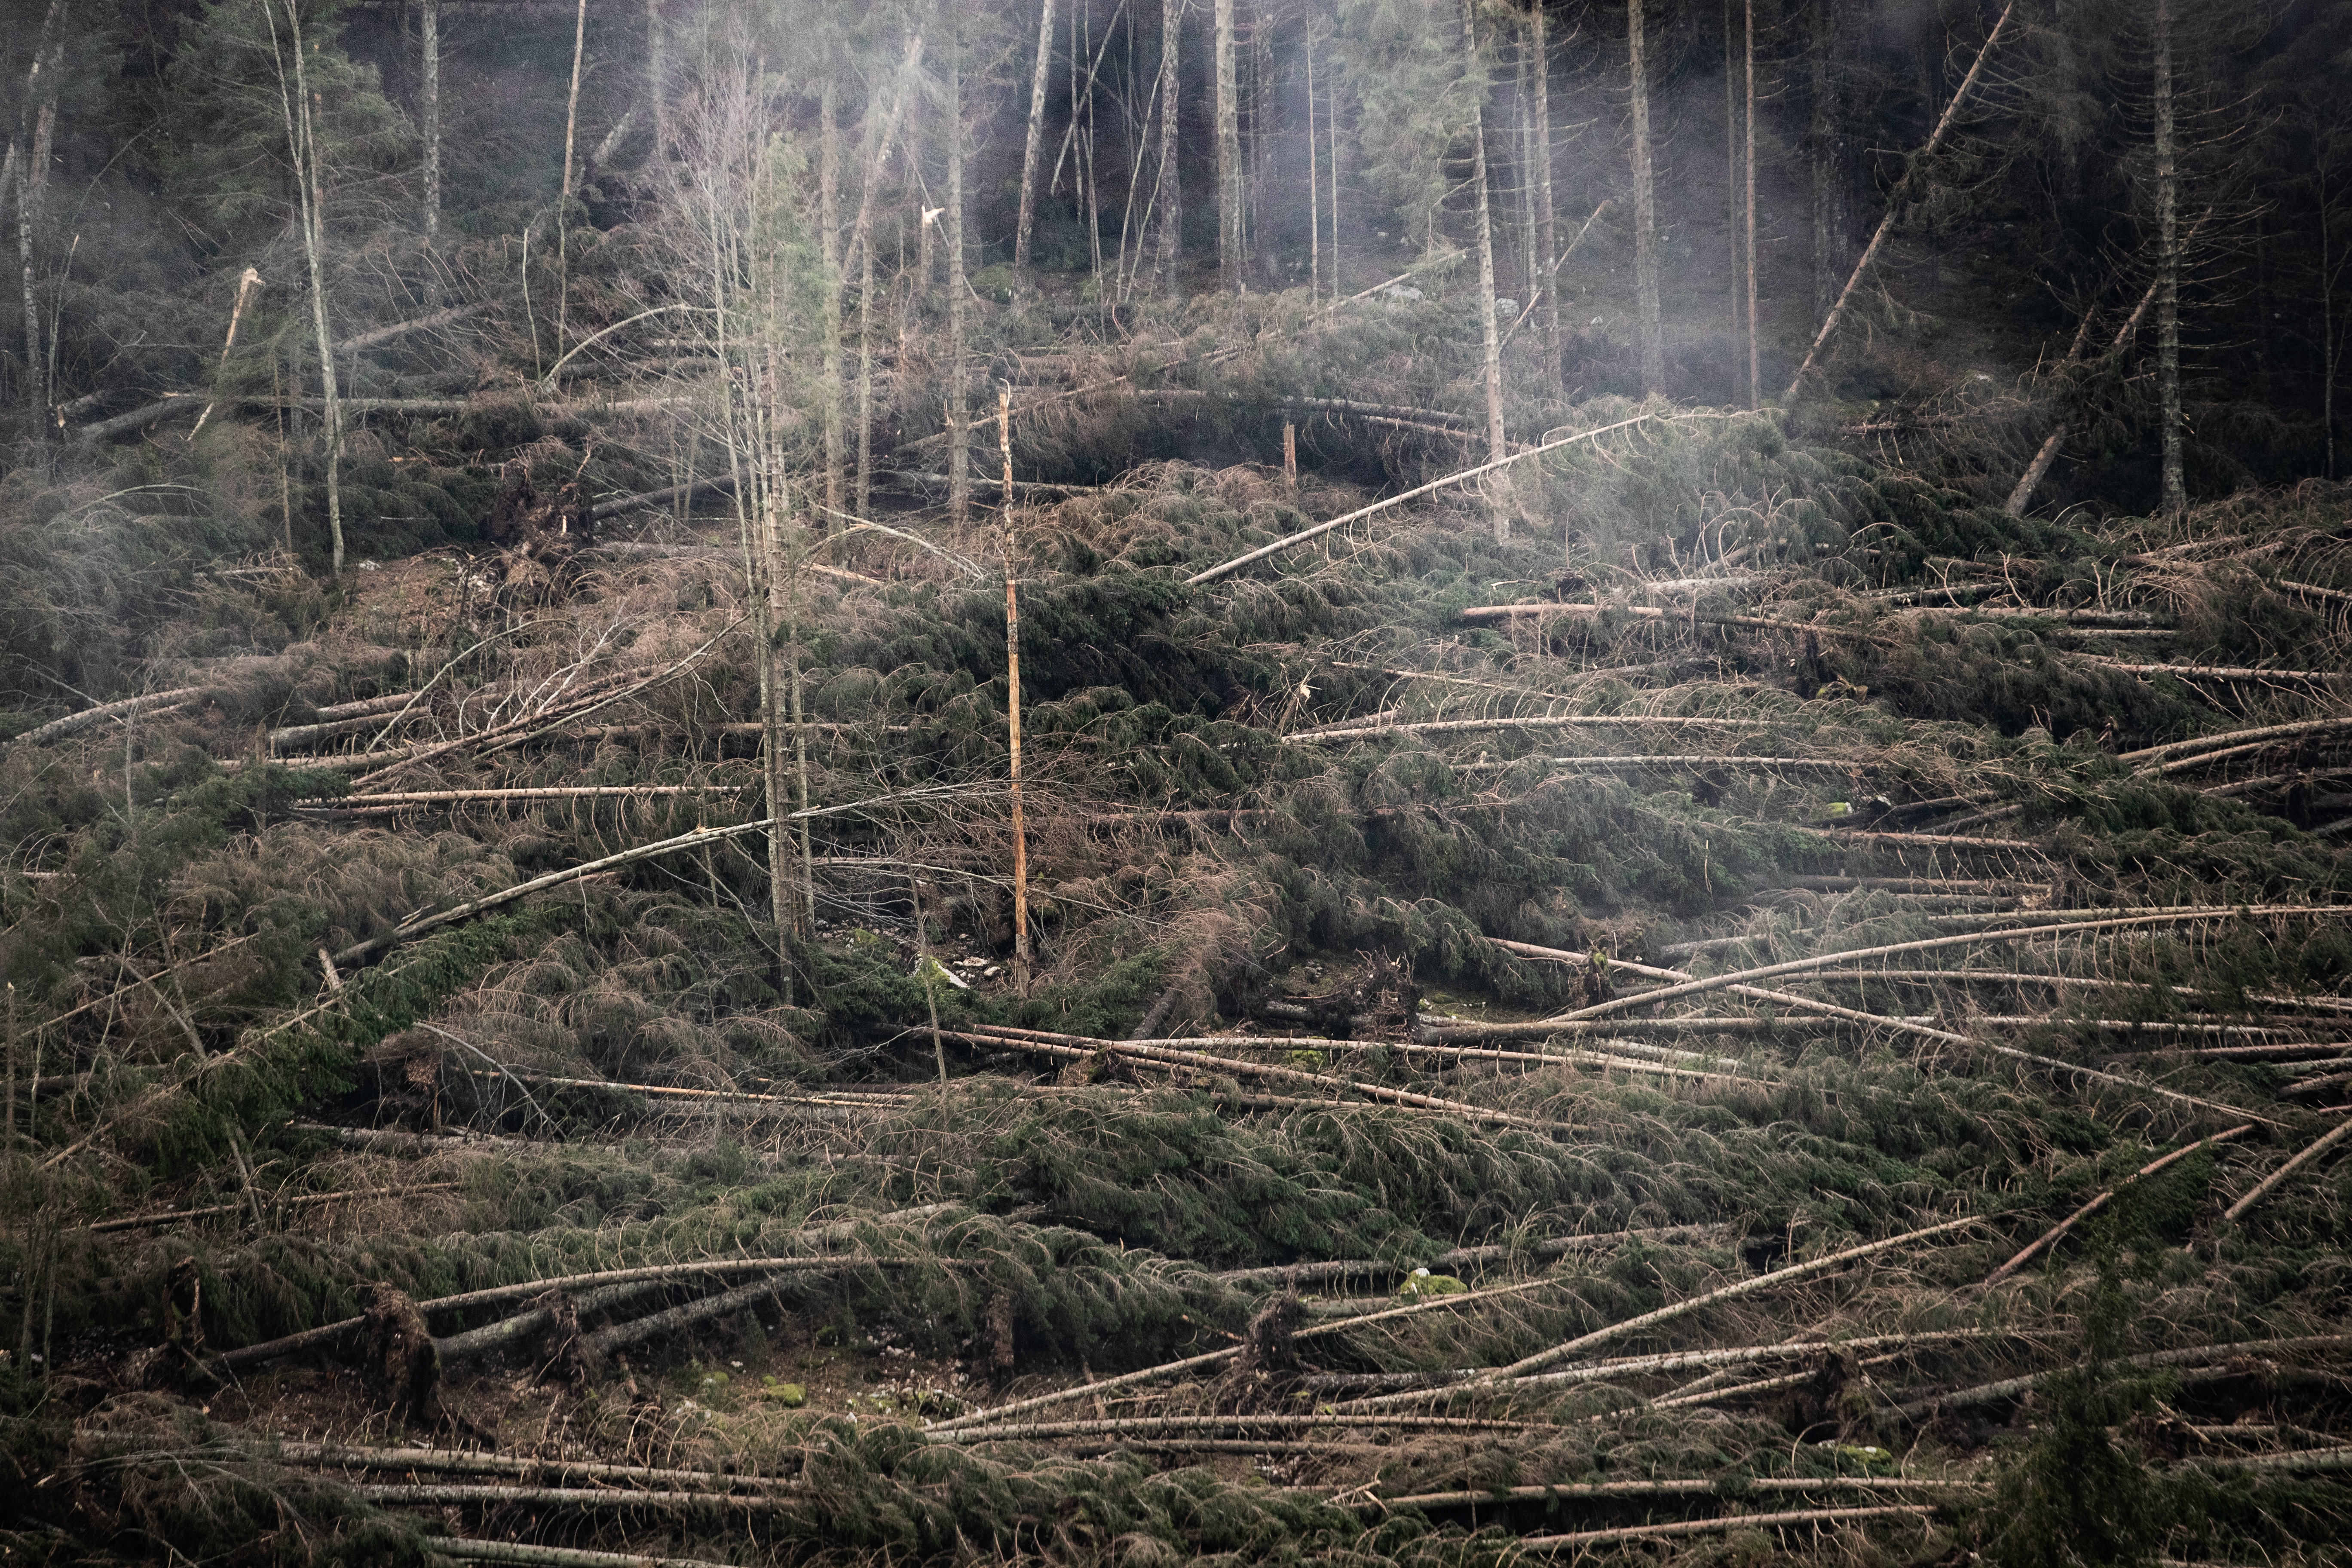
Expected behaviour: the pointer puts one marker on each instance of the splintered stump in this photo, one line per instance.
(404, 1367)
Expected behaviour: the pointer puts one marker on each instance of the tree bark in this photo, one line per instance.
(1027, 219)
(1013, 687)
(32, 178)
(1314, 189)
(1546, 281)
(430, 47)
(2168, 266)
(563, 196)
(861, 241)
(1229, 156)
(828, 220)
(1828, 153)
(1171, 184)
(1496, 447)
(657, 74)
(310, 195)
(1651, 340)
(1747, 232)
(958, 414)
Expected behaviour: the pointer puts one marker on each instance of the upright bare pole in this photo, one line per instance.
(430, 45)
(563, 197)
(1546, 283)
(2168, 267)
(1649, 334)
(1028, 214)
(1013, 683)
(1171, 184)
(1229, 155)
(1754, 393)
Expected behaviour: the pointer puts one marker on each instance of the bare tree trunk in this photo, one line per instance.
(563, 196)
(1314, 195)
(1894, 201)
(829, 221)
(2023, 495)
(1651, 340)
(430, 47)
(1171, 183)
(861, 241)
(1546, 282)
(311, 195)
(1755, 391)
(657, 74)
(1331, 126)
(2167, 267)
(958, 416)
(1013, 682)
(1828, 152)
(1229, 156)
(1494, 337)
(1028, 214)
(32, 178)
(1731, 170)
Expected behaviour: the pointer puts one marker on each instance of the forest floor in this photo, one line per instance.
(1773, 1011)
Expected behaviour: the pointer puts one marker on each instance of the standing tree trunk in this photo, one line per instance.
(310, 195)
(958, 415)
(1828, 152)
(657, 74)
(1546, 279)
(37, 117)
(1331, 129)
(1731, 170)
(1028, 216)
(861, 242)
(1747, 234)
(563, 196)
(1013, 687)
(828, 223)
(1652, 343)
(2168, 265)
(1494, 334)
(1313, 192)
(431, 48)
(1229, 156)
(1171, 183)
(2328, 347)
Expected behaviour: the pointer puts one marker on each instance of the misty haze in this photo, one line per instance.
(1359, 784)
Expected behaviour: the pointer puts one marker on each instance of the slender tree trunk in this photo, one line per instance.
(1731, 170)
(2168, 263)
(1013, 680)
(1171, 183)
(958, 416)
(657, 74)
(1331, 127)
(828, 222)
(1755, 391)
(1494, 336)
(32, 179)
(1652, 343)
(1546, 282)
(563, 197)
(430, 47)
(861, 242)
(1229, 156)
(1313, 196)
(310, 195)
(1828, 152)
(1028, 214)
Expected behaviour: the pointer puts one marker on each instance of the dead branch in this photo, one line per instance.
(130, 707)
(139, 1222)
